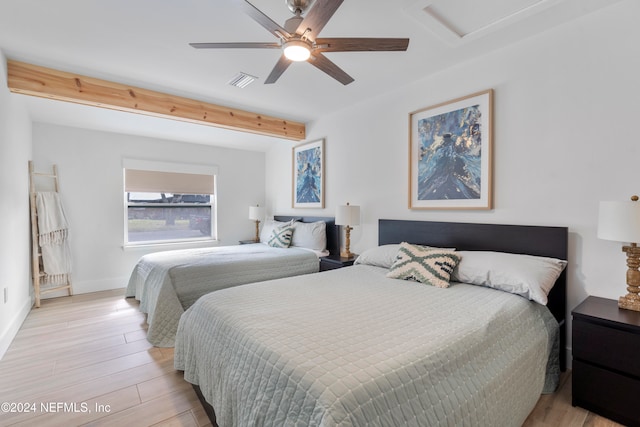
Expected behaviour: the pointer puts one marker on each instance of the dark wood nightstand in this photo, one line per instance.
(606, 360)
(332, 262)
(247, 242)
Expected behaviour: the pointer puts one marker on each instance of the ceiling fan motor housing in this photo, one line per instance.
(298, 6)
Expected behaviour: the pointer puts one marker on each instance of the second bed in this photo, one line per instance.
(167, 283)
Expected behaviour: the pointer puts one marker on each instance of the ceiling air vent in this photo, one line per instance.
(242, 80)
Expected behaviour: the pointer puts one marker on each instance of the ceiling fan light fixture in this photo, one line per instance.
(297, 50)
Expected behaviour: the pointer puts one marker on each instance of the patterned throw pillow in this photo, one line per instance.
(281, 236)
(424, 265)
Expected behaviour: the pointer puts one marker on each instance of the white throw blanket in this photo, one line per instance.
(53, 233)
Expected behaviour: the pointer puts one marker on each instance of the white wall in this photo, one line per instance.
(566, 111)
(90, 171)
(15, 151)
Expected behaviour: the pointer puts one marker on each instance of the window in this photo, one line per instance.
(167, 202)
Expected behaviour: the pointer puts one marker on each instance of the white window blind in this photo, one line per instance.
(146, 176)
(145, 181)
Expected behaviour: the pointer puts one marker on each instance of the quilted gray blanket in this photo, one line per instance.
(167, 283)
(351, 347)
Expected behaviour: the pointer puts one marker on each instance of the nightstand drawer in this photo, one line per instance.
(608, 347)
(324, 266)
(607, 393)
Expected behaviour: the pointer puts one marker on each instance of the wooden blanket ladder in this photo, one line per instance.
(36, 253)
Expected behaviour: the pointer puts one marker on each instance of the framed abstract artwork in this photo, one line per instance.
(450, 154)
(308, 175)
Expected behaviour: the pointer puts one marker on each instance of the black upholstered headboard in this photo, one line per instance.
(333, 230)
(518, 239)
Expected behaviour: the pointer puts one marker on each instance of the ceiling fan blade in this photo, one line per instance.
(282, 64)
(323, 63)
(257, 45)
(262, 19)
(317, 17)
(360, 44)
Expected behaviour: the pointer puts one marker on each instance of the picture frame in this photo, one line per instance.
(308, 175)
(451, 154)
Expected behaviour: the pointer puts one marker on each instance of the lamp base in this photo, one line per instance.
(629, 302)
(257, 238)
(346, 254)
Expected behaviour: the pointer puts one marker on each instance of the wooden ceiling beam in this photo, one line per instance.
(44, 82)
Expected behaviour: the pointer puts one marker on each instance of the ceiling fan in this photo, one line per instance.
(299, 39)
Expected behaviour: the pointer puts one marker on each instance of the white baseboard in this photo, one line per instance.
(88, 286)
(14, 326)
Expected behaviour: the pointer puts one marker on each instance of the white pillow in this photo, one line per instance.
(379, 256)
(526, 275)
(267, 228)
(310, 235)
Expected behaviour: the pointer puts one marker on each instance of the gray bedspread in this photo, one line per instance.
(350, 347)
(167, 283)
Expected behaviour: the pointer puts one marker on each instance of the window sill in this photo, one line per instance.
(170, 245)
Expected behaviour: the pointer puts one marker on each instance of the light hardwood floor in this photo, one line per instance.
(90, 350)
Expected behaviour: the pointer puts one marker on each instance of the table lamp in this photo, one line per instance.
(620, 221)
(256, 213)
(347, 216)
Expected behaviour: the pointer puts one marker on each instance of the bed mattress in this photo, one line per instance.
(167, 283)
(350, 347)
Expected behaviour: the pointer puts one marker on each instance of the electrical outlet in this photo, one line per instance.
(6, 295)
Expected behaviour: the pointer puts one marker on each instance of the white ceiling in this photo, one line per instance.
(144, 43)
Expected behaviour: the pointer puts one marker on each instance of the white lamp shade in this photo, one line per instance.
(256, 213)
(348, 215)
(619, 221)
